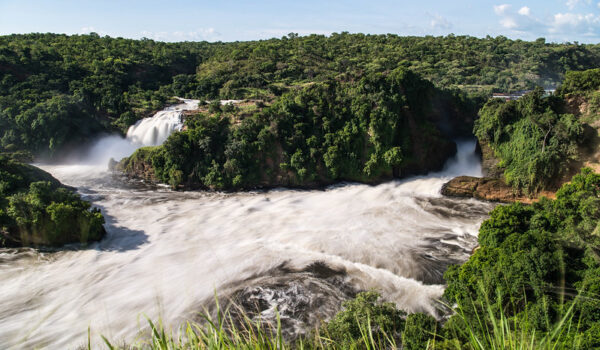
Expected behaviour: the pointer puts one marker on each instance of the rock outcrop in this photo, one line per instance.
(489, 161)
(484, 188)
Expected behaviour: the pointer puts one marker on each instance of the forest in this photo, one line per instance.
(326, 109)
(364, 129)
(36, 210)
(57, 91)
(540, 140)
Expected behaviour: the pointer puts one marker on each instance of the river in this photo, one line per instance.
(167, 253)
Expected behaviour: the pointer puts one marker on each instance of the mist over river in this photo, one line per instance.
(303, 252)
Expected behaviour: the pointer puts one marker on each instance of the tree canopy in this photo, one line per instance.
(535, 141)
(69, 88)
(358, 128)
(36, 210)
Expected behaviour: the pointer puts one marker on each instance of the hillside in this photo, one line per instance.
(533, 145)
(58, 91)
(367, 128)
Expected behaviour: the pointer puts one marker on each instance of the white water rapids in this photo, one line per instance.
(166, 253)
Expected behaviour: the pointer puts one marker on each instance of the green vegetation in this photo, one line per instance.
(373, 326)
(536, 262)
(581, 90)
(534, 141)
(260, 69)
(540, 141)
(57, 91)
(365, 323)
(344, 107)
(365, 320)
(357, 128)
(577, 82)
(36, 210)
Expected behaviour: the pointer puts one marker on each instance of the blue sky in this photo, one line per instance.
(180, 20)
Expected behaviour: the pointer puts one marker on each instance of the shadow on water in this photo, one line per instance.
(119, 238)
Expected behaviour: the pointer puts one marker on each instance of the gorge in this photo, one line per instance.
(167, 252)
(320, 180)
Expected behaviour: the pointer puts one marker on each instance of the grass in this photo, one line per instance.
(498, 332)
(223, 332)
(486, 331)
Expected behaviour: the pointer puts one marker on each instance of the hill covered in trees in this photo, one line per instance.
(58, 90)
(355, 128)
(537, 142)
(36, 210)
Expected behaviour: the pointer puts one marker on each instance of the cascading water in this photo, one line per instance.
(302, 252)
(150, 131)
(154, 131)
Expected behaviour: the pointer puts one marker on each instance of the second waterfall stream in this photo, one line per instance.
(295, 253)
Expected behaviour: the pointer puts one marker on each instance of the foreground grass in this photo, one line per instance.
(493, 331)
(487, 331)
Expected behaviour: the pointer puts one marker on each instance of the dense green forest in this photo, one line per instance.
(343, 107)
(537, 139)
(36, 210)
(58, 90)
(580, 82)
(366, 129)
(534, 141)
(537, 263)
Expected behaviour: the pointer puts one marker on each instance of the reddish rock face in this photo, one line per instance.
(484, 188)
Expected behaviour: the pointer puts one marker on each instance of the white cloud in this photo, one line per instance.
(201, 34)
(576, 23)
(562, 26)
(90, 29)
(439, 22)
(280, 32)
(501, 9)
(86, 30)
(571, 4)
(524, 11)
(518, 21)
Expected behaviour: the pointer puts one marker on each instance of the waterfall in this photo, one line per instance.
(154, 131)
(151, 131)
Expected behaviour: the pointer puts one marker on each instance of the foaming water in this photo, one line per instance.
(155, 130)
(150, 131)
(300, 252)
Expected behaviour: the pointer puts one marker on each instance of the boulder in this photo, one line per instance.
(484, 188)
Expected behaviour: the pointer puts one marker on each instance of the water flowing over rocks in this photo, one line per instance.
(151, 131)
(167, 252)
(154, 131)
